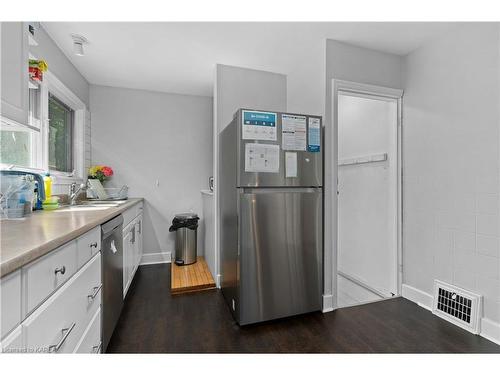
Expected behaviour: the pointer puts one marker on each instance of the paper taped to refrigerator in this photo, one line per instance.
(314, 144)
(262, 158)
(293, 131)
(290, 164)
(259, 125)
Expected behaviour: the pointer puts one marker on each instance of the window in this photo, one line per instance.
(61, 120)
(53, 139)
(17, 141)
(15, 146)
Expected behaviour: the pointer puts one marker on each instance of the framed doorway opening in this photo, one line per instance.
(367, 196)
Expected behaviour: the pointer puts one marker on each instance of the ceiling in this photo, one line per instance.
(180, 57)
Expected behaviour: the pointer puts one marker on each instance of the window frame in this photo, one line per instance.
(39, 129)
(53, 85)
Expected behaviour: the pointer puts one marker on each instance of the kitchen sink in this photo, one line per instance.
(90, 206)
(85, 207)
(102, 203)
(93, 205)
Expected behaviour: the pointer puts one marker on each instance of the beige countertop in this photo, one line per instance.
(23, 241)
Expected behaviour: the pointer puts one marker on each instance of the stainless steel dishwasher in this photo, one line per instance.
(112, 276)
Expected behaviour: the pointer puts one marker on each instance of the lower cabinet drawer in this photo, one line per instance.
(46, 274)
(139, 208)
(128, 216)
(88, 245)
(59, 323)
(91, 340)
(10, 302)
(13, 343)
(131, 213)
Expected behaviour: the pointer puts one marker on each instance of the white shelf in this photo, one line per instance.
(31, 40)
(32, 84)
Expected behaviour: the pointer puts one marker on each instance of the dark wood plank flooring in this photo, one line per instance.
(154, 321)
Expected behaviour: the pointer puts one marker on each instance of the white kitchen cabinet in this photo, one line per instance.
(10, 302)
(14, 72)
(60, 322)
(138, 239)
(132, 244)
(91, 339)
(41, 308)
(13, 343)
(128, 256)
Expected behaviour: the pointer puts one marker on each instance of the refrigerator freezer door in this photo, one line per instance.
(280, 253)
(307, 166)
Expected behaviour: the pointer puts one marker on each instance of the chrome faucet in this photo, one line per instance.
(74, 192)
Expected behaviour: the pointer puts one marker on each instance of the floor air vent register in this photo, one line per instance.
(457, 305)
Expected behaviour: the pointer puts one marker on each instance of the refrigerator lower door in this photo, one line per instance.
(281, 252)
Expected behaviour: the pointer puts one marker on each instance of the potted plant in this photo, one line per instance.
(100, 172)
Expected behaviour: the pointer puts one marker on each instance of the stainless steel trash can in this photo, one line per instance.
(186, 227)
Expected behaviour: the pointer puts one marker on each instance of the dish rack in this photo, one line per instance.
(112, 194)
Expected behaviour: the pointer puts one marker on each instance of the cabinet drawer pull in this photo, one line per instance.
(93, 244)
(65, 332)
(61, 270)
(96, 349)
(94, 294)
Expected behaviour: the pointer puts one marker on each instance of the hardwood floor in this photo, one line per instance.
(154, 321)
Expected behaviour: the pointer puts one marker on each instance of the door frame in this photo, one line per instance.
(366, 90)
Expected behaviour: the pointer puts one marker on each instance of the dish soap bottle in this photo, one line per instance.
(47, 183)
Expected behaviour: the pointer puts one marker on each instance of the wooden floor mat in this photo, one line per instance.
(191, 278)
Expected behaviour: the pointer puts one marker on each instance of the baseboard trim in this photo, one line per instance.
(490, 330)
(327, 303)
(419, 297)
(156, 258)
(218, 280)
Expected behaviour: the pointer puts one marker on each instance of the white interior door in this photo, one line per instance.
(368, 196)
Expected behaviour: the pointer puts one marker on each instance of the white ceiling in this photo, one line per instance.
(180, 57)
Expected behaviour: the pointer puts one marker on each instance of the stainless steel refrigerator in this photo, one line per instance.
(271, 207)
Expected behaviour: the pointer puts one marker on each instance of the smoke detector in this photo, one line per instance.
(78, 42)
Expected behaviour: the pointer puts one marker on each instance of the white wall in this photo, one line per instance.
(306, 78)
(362, 65)
(147, 137)
(60, 65)
(235, 88)
(451, 163)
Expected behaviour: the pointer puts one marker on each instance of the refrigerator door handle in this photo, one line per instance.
(263, 190)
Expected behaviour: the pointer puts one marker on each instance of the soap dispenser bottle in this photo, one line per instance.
(47, 183)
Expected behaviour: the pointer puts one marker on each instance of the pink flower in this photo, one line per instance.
(108, 172)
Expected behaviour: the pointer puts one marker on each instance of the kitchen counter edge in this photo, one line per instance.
(29, 255)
